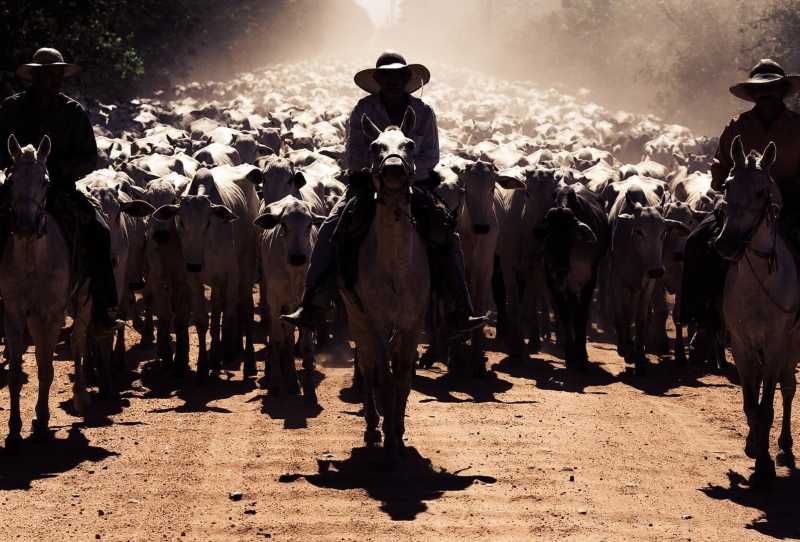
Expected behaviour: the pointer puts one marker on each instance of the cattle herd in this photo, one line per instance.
(571, 217)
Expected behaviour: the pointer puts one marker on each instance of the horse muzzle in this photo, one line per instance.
(296, 260)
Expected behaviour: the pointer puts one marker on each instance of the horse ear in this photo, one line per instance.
(409, 120)
(44, 149)
(368, 127)
(14, 150)
(738, 155)
(768, 158)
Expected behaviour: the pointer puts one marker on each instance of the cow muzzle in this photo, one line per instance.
(297, 260)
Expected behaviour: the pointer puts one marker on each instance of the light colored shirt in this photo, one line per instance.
(785, 132)
(425, 135)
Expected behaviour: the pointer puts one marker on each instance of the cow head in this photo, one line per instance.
(29, 182)
(751, 197)
(294, 222)
(196, 218)
(280, 179)
(392, 153)
(159, 193)
(478, 182)
(562, 232)
(643, 230)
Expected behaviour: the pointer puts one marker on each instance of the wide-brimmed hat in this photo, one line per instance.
(767, 73)
(47, 58)
(390, 60)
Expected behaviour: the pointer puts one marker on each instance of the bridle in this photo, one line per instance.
(769, 212)
(41, 213)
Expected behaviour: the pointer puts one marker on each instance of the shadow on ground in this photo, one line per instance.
(402, 492)
(294, 410)
(480, 390)
(778, 503)
(552, 375)
(36, 461)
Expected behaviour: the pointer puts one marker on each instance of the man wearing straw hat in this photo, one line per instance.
(769, 120)
(389, 85)
(44, 110)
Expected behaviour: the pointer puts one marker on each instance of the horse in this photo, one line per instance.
(36, 284)
(760, 302)
(386, 307)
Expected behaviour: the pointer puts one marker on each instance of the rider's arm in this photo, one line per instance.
(722, 163)
(356, 149)
(428, 149)
(81, 159)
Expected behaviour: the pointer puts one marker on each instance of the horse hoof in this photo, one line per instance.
(763, 476)
(750, 447)
(40, 433)
(13, 443)
(372, 437)
(785, 458)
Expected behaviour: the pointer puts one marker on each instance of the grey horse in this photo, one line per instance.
(35, 283)
(760, 302)
(387, 308)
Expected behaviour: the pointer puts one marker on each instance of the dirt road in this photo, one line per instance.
(532, 453)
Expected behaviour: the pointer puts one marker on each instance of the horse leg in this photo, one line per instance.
(45, 335)
(403, 373)
(78, 344)
(750, 377)
(765, 467)
(15, 330)
(307, 351)
(365, 367)
(785, 455)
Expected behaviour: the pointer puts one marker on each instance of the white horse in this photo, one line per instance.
(761, 302)
(387, 308)
(35, 283)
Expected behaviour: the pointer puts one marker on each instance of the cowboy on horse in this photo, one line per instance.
(389, 85)
(768, 121)
(44, 110)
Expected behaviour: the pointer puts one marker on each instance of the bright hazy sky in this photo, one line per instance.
(377, 9)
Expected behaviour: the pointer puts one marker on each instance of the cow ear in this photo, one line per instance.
(267, 221)
(585, 234)
(298, 180)
(137, 208)
(767, 159)
(44, 149)
(14, 150)
(317, 219)
(368, 127)
(166, 212)
(738, 155)
(680, 226)
(511, 179)
(223, 213)
(409, 121)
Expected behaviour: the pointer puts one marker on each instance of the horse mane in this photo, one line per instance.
(753, 160)
(28, 154)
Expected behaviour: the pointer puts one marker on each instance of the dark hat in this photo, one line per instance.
(390, 60)
(767, 73)
(46, 58)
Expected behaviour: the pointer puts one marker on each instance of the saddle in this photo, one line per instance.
(433, 221)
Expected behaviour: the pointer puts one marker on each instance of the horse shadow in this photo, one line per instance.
(551, 375)
(197, 397)
(440, 388)
(402, 492)
(666, 375)
(47, 460)
(778, 503)
(293, 410)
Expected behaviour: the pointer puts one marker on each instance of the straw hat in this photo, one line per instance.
(767, 73)
(390, 60)
(46, 58)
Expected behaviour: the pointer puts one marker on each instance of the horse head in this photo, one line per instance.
(392, 153)
(751, 197)
(29, 180)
